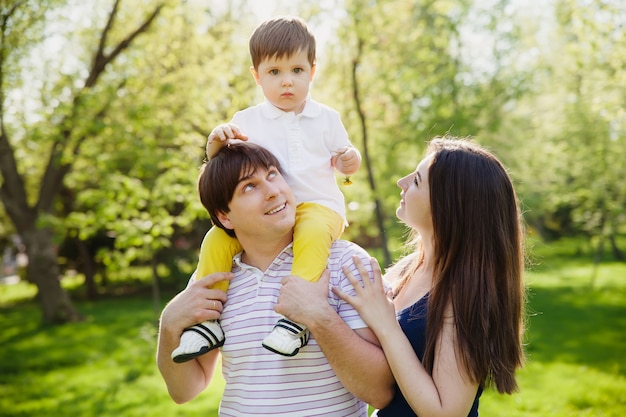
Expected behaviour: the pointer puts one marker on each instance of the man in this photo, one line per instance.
(246, 195)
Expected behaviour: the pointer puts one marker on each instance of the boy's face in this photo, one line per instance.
(262, 206)
(285, 81)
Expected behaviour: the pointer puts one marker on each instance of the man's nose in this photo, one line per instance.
(271, 190)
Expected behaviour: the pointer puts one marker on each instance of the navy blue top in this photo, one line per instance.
(413, 323)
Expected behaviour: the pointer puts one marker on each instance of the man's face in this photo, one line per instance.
(263, 206)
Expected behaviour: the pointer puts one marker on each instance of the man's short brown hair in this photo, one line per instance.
(220, 176)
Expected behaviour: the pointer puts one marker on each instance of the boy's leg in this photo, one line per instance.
(216, 255)
(316, 228)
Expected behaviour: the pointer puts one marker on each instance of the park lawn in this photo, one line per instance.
(105, 365)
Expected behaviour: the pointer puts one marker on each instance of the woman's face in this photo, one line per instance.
(414, 209)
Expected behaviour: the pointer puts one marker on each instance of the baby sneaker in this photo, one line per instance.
(198, 340)
(286, 338)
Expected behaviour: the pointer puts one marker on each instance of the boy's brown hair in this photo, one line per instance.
(280, 37)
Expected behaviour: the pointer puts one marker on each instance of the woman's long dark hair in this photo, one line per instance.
(479, 261)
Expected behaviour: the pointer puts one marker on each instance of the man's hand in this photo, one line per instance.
(301, 300)
(197, 303)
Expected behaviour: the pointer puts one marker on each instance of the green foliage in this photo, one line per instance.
(542, 86)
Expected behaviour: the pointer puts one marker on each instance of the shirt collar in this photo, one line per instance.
(283, 256)
(311, 109)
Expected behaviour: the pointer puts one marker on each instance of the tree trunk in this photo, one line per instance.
(380, 218)
(617, 252)
(88, 268)
(43, 270)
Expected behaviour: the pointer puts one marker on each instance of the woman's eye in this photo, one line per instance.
(415, 181)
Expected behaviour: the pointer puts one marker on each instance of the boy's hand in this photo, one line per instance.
(346, 160)
(220, 137)
(226, 131)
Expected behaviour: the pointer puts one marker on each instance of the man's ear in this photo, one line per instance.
(255, 74)
(224, 219)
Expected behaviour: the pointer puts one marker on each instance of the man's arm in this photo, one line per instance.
(193, 305)
(354, 355)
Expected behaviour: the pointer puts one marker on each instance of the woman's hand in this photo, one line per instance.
(372, 301)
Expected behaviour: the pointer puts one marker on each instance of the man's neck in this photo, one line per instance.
(261, 254)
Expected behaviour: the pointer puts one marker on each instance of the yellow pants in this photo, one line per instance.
(316, 228)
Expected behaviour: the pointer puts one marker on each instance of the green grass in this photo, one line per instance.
(576, 339)
(105, 365)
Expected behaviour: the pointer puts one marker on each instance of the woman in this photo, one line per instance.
(453, 322)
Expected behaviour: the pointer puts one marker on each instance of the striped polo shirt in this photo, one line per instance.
(262, 383)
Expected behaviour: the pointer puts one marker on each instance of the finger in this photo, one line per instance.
(210, 280)
(352, 279)
(216, 305)
(238, 134)
(288, 279)
(363, 272)
(325, 278)
(227, 132)
(217, 135)
(345, 297)
(377, 272)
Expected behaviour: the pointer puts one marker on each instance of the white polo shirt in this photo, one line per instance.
(263, 383)
(303, 144)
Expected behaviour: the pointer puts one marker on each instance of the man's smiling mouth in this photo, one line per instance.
(277, 209)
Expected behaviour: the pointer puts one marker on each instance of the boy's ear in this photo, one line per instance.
(255, 74)
(224, 219)
(313, 71)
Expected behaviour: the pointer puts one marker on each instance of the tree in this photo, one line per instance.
(400, 77)
(32, 217)
(569, 130)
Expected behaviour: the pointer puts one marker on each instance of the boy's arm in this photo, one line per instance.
(347, 160)
(220, 137)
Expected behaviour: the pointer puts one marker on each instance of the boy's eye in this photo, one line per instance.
(274, 71)
(298, 70)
